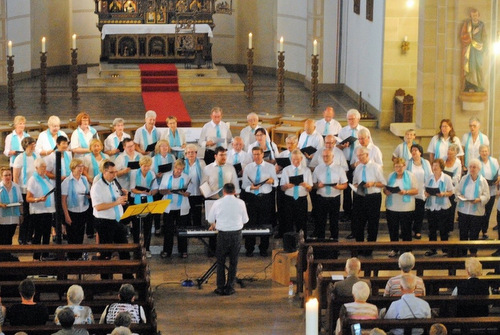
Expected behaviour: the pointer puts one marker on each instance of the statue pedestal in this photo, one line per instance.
(473, 101)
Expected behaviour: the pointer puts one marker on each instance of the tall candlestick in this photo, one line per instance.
(312, 317)
(281, 44)
(73, 40)
(9, 53)
(315, 47)
(43, 44)
(250, 41)
(406, 38)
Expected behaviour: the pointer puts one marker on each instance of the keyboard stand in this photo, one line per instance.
(206, 276)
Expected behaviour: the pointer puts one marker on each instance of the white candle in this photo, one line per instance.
(281, 44)
(250, 41)
(43, 44)
(312, 317)
(315, 47)
(9, 53)
(73, 40)
(406, 38)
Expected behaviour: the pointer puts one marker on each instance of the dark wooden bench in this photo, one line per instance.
(327, 249)
(447, 305)
(463, 324)
(97, 329)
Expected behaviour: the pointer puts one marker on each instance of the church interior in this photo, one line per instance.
(403, 64)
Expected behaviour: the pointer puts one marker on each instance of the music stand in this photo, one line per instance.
(142, 210)
(206, 276)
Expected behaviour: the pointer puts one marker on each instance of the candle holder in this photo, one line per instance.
(281, 77)
(250, 73)
(74, 74)
(314, 81)
(10, 82)
(43, 78)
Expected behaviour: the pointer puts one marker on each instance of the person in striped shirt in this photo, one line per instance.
(406, 263)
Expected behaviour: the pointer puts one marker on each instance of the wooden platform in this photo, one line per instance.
(127, 78)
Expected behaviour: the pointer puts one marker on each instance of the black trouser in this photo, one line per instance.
(366, 210)
(397, 220)
(76, 231)
(147, 224)
(90, 229)
(438, 220)
(470, 226)
(487, 213)
(451, 214)
(327, 207)
(42, 223)
(348, 201)
(260, 210)
(295, 214)
(196, 203)
(171, 220)
(228, 244)
(418, 216)
(26, 227)
(7, 232)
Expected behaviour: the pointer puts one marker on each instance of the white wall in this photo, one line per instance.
(19, 32)
(363, 43)
(292, 25)
(83, 23)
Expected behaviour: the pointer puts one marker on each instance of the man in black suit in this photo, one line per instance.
(472, 286)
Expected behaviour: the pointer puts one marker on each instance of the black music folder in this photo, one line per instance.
(151, 147)
(134, 165)
(258, 184)
(164, 168)
(308, 150)
(331, 184)
(283, 161)
(449, 173)
(179, 190)
(493, 180)
(350, 140)
(432, 190)
(393, 189)
(120, 147)
(142, 188)
(267, 154)
(50, 192)
(238, 168)
(296, 180)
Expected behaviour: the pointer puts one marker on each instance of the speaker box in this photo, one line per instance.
(290, 241)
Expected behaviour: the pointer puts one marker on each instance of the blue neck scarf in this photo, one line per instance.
(81, 138)
(25, 167)
(174, 139)
(154, 136)
(15, 144)
(136, 158)
(492, 168)
(44, 184)
(138, 182)
(427, 170)
(95, 164)
(73, 196)
(198, 169)
(466, 151)
(476, 191)
(4, 197)
(181, 186)
(51, 140)
(66, 159)
(406, 186)
(442, 188)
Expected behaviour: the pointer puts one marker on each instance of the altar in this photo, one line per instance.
(161, 43)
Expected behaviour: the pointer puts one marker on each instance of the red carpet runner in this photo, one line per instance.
(160, 92)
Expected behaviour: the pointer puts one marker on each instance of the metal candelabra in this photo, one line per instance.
(281, 77)
(314, 81)
(10, 82)
(43, 78)
(250, 73)
(74, 74)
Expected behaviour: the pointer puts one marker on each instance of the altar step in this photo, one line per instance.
(127, 78)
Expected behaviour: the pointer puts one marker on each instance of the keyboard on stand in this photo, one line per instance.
(204, 232)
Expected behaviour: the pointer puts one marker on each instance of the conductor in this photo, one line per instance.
(227, 215)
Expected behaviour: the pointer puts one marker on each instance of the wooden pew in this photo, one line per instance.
(447, 305)
(349, 249)
(463, 324)
(97, 329)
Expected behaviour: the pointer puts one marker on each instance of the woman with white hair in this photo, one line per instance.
(489, 170)
(359, 309)
(406, 263)
(40, 195)
(112, 142)
(83, 314)
(12, 145)
(472, 193)
(472, 286)
(46, 142)
(147, 134)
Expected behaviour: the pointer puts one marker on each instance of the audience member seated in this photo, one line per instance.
(67, 319)
(377, 331)
(406, 262)
(409, 306)
(121, 331)
(123, 319)
(27, 313)
(126, 294)
(82, 314)
(438, 329)
(343, 289)
(359, 309)
(472, 286)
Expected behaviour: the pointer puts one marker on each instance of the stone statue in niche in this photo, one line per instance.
(473, 36)
(115, 6)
